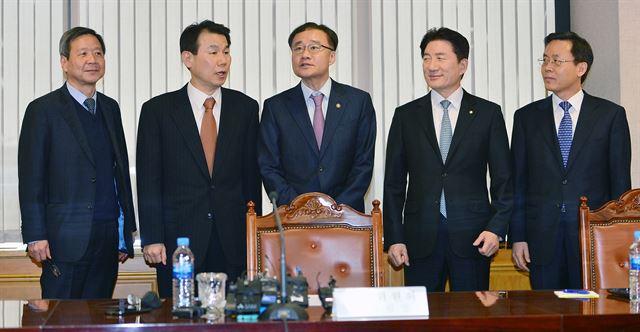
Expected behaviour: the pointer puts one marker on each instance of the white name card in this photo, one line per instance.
(380, 303)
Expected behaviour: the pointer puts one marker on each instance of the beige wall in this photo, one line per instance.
(611, 28)
(629, 22)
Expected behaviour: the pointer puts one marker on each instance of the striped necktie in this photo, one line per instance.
(90, 103)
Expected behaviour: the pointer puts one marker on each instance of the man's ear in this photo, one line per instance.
(463, 65)
(187, 58)
(63, 64)
(582, 68)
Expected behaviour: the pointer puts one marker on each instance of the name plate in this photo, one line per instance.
(380, 303)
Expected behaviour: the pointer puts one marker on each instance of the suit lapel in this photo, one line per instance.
(466, 114)
(425, 118)
(226, 128)
(548, 128)
(68, 111)
(183, 117)
(586, 121)
(297, 107)
(338, 104)
(107, 116)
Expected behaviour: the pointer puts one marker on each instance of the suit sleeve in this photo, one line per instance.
(359, 176)
(619, 155)
(32, 166)
(519, 167)
(149, 176)
(269, 156)
(252, 188)
(395, 184)
(500, 172)
(125, 195)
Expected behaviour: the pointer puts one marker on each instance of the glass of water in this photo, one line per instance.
(211, 292)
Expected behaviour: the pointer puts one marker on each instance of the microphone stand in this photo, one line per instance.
(282, 311)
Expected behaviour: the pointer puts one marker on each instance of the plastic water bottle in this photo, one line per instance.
(183, 269)
(634, 269)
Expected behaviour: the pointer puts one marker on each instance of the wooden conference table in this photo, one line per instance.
(465, 311)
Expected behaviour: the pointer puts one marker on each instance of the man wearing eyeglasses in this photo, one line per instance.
(567, 145)
(320, 134)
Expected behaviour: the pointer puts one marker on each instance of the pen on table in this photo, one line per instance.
(576, 291)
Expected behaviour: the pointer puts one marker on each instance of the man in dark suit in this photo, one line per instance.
(567, 145)
(298, 150)
(196, 162)
(74, 178)
(444, 142)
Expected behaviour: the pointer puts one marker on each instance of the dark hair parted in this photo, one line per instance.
(331, 35)
(190, 34)
(459, 43)
(580, 48)
(73, 33)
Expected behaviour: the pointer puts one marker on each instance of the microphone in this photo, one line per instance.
(283, 310)
(151, 300)
(273, 196)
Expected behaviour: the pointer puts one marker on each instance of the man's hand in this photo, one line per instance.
(39, 250)
(487, 243)
(122, 256)
(520, 255)
(155, 253)
(398, 254)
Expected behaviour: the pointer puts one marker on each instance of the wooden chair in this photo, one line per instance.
(320, 237)
(605, 237)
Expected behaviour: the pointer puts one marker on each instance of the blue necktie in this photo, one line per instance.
(90, 103)
(445, 142)
(565, 133)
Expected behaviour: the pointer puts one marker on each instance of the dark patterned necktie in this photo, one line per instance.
(565, 133)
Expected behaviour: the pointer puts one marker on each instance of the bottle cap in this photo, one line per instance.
(184, 241)
(636, 235)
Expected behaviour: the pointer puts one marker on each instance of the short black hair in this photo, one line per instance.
(580, 48)
(73, 33)
(331, 35)
(190, 34)
(459, 43)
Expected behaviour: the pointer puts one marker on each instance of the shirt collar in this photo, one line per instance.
(455, 98)
(79, 96)
(325, 90)
(197, 97)
(575, 100)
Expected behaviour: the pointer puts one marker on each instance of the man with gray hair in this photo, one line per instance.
(74, 184)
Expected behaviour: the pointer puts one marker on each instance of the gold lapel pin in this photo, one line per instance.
(338, 105)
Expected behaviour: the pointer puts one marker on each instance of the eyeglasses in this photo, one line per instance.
(552, 61)
(313, 48)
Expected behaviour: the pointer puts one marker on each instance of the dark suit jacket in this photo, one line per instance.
(598, 167)
(479, 140)
(290, 162)
(57, 175)
(176, 195)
